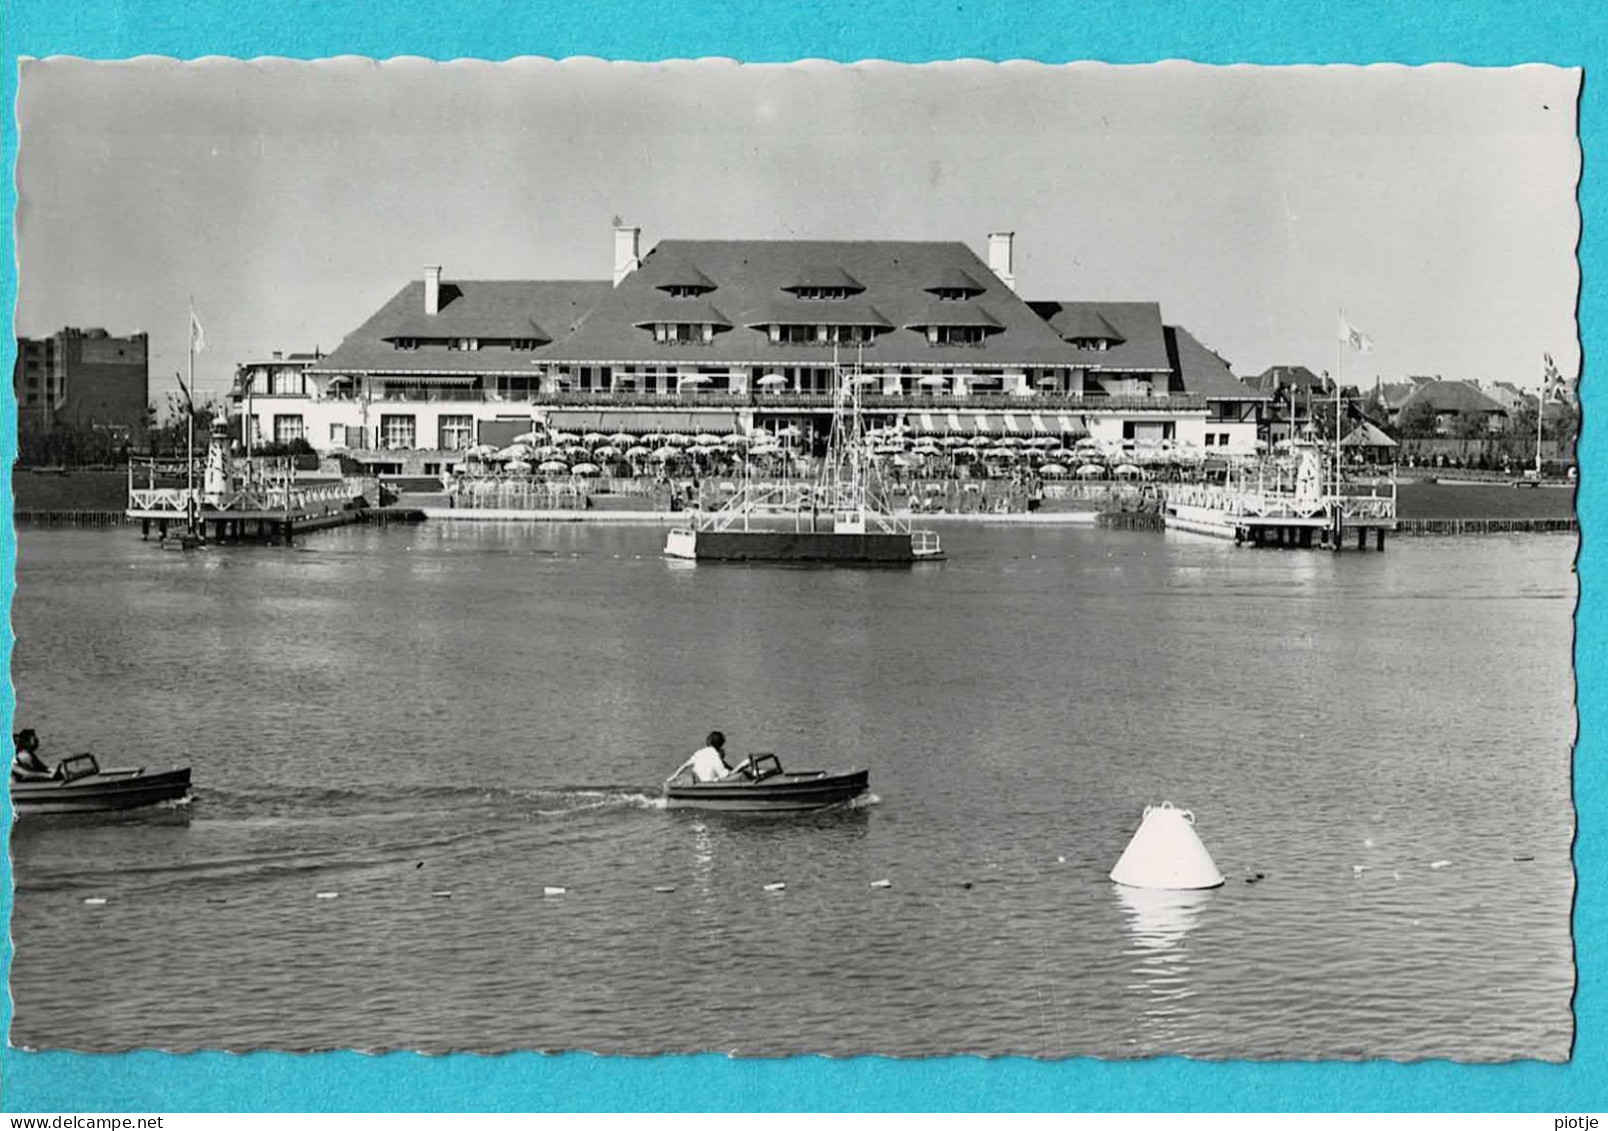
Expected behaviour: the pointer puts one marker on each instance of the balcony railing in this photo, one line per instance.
(790, 399)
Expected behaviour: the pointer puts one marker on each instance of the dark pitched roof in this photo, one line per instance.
(1201, 371)
(1087, 322)
(545, 310)
(1143, 347)
(1452, 396)
(752, 276)
(1276, 377)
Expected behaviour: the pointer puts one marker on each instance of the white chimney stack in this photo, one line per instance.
(1002, 257)
(432, 290)
(627, 251)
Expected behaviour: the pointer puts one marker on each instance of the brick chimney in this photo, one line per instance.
(1002, 257)
(627, 251)
(432, 290)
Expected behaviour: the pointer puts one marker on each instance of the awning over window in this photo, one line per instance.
(699, 420)
(1038, 423)
(982, 423)
(1071, 425)
(1010, 423)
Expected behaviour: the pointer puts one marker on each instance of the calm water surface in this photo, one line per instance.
(488, 710)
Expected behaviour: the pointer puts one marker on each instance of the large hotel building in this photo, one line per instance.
(721, 336)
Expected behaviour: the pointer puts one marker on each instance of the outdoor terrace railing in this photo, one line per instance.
(790, 399)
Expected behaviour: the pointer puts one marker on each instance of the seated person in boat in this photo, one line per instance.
(27, 765)
(709, 763)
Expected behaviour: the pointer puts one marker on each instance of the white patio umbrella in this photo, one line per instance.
(700, 449)
(954, 442)
(514, 451)
(933, 381)
(678, 438)
(1090, 471)
(518, 466)
(964, 452)
(773, 381)
(1127, 471)
(927, 450)
(548, 451)
(594, 438)
(666, 453)
(1060, 453)
(553, 465)
(624, 439)
(1087, 442)
(533, 437)
(654, 438)
(1053, 470)
(706, 438)
(606, 451)
(562, 437)
(691, 380)
(586, 469)
(481, 451)
(578, 450)
(636, 452)
(1042, 442)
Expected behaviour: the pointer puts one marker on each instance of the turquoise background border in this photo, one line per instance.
(1406, 31)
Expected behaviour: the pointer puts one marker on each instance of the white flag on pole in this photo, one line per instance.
(198, 336)
(1354, 337)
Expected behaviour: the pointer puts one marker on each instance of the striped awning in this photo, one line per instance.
(982, 423)
(1039, 425)
(1069, 424)
(954, 422)
(1009, 421)
(925, 422)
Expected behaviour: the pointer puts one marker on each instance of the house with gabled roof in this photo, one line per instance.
(1452, 403)
(726, 336)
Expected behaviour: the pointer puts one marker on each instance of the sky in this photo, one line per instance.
(1435, 205)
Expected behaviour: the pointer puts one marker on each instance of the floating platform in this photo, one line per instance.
(800, 547)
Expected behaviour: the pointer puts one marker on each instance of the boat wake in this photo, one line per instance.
(864, 801)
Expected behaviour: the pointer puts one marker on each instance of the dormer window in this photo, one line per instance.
(948, 324)
(523, 344)
(956, 335)
(405, 343)
(1101, 344)
(821, 292)
(684, 281)
(684, 333)
(823, 283)
(954, 285)
(463, 343)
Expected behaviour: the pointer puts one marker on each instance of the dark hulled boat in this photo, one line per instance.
(761, 785)
(83, 787)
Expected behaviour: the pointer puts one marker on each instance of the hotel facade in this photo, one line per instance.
(723, 336)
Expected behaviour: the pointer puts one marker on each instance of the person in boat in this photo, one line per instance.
(707, 764)
(27, 765)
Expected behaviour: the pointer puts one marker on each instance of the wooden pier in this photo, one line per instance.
(259, 502)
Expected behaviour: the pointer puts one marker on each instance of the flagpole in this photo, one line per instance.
(1339, 372)
(189, 416)
(1540, 415)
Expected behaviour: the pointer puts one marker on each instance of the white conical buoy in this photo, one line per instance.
(1166, 853)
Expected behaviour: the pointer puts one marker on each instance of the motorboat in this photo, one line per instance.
(80, 785)
(760, 784)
